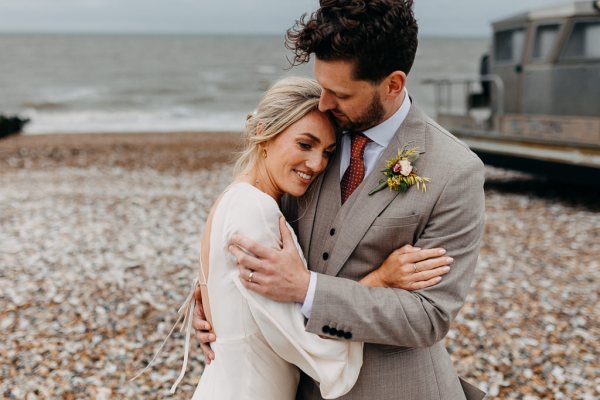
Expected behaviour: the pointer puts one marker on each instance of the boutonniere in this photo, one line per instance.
(400, 174)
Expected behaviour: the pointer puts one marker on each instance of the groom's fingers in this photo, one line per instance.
(244, 258)
(198, 295)
(245, 275)
(250, 245)
(202, 332)
(286, 235)
(209, 355)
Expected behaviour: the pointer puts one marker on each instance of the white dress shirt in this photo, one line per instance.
(381, 135)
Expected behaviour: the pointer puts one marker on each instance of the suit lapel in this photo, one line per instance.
(360, 210)
(321, 192)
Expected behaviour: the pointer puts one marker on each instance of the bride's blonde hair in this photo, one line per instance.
(286, 102)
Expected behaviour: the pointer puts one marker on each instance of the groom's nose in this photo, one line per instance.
(326, 101)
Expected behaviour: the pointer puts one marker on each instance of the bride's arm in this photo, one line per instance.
(410, 268)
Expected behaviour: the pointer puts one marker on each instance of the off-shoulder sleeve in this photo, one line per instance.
(334, 364)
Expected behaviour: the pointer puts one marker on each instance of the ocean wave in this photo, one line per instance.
(59, 98)
(43, 105)
(179, 119)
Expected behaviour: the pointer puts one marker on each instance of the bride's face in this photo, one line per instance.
(299, 154)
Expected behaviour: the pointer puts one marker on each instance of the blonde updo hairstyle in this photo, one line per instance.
(285, 103)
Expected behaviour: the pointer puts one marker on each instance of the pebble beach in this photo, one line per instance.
(99, 239)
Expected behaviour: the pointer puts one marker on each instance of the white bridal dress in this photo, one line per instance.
(260, 343)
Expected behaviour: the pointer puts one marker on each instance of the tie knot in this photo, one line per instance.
(359, 141)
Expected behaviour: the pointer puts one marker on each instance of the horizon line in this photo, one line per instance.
(205, 33)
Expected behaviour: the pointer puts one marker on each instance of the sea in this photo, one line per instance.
(99, 83)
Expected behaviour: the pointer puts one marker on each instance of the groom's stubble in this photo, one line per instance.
(372, 115)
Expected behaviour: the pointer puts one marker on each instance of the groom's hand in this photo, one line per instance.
(277, 274)
(202, 328)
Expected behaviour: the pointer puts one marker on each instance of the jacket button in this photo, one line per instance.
(325, 256)
(325, 329)
(332, 231)
(340, 334)
(333, 332)
(348, 335)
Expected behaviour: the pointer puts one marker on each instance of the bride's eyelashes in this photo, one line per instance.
(304, 146)
(307, 147)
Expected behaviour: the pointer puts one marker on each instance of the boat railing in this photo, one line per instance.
(446, 96)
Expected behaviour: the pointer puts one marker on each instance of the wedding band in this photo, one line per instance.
(414, 268)
(250, 276)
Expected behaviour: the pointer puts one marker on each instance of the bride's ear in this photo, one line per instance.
(260, 128)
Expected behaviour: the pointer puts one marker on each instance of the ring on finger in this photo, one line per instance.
(250, 276)
(414, 268)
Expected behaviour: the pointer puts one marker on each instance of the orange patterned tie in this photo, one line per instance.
(356, 170)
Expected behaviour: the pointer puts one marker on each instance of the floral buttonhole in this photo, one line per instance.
(400, 174)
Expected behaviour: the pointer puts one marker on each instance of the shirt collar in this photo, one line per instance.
(383, 133)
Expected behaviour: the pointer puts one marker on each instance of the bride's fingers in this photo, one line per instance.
(407, 248)
(430, 274)
(425, 284)
(244, 259)
(431, 263)
(417, 256)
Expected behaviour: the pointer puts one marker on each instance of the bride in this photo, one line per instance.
(261, 344)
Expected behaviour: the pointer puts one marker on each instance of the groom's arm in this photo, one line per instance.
(421, 318)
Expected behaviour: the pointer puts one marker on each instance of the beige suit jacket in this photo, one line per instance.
(404, 357)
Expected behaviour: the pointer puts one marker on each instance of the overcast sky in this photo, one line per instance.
(436, 17)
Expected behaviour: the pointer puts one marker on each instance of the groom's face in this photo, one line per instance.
(355, 104)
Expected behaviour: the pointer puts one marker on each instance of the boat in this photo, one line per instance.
(535, 106)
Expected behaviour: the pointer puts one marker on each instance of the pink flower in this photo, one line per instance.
(397, 168)
(405, 167)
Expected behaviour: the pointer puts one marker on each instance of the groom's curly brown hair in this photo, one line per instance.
(379, 35)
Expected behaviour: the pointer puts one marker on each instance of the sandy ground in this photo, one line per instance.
(99, 241)
(174, 151)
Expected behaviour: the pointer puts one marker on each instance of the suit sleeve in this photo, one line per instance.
(420, 318)
(335, 364)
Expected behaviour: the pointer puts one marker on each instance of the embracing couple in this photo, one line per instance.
(357, 304)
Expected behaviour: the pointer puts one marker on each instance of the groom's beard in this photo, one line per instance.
(373, 115)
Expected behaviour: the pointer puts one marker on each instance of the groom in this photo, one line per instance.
(364, 51)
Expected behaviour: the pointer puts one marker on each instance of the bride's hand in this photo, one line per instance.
(410, 268)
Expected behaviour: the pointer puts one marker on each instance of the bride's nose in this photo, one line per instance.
(316, 163)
